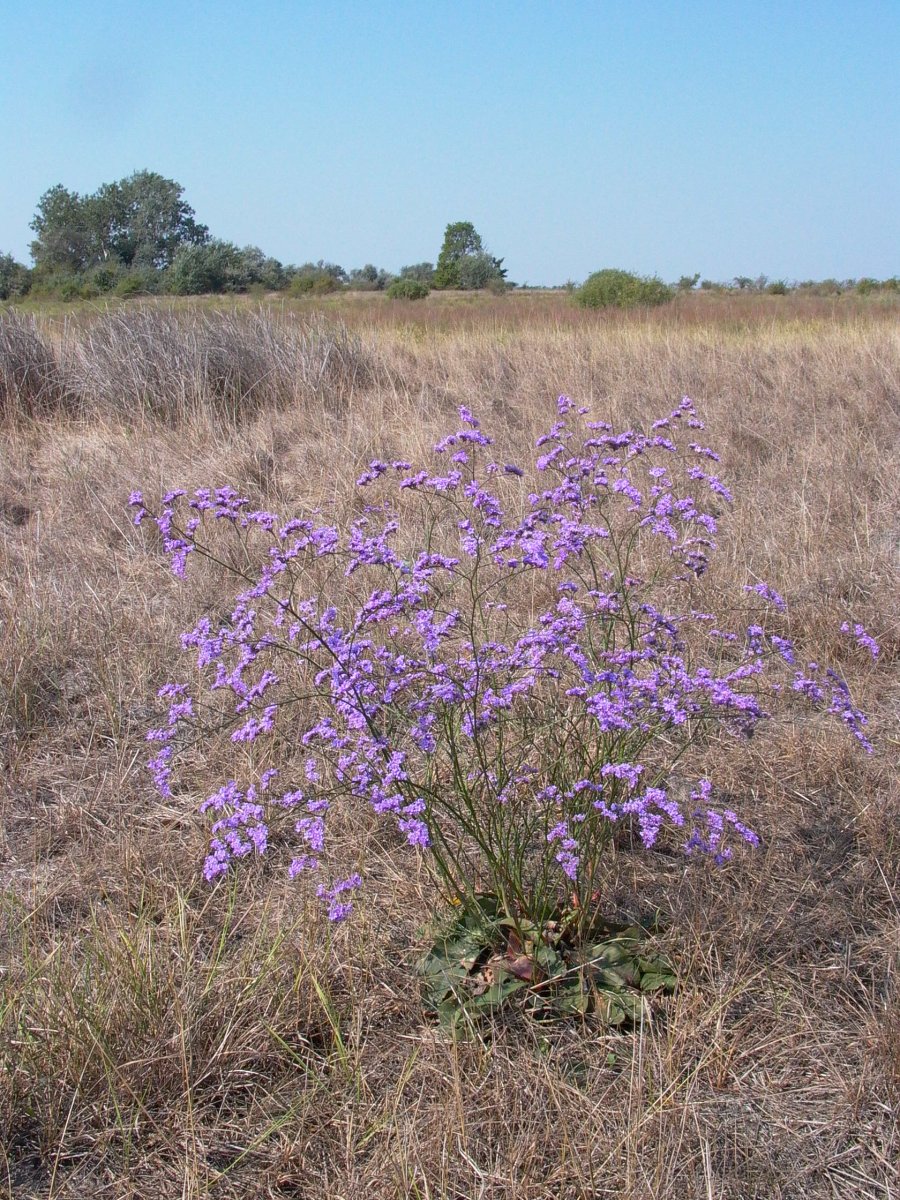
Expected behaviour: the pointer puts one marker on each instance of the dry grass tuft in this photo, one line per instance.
(161, 1037)
(32, 383)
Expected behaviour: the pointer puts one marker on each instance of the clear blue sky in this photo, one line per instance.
(713, 136)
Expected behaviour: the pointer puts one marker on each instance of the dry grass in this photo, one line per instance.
(159, 1038)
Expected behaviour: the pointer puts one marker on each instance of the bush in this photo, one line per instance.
(370, 279)
(15, 280)
(513, 740)
(408, 289)
(68, 289)
(197, 270)
(612, 288)
(778, 287)
(137, 283)
(317, 279)
(475, 271)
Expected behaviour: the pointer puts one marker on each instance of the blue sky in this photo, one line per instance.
(726, 138)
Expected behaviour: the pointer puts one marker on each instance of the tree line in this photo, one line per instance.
(138, 236)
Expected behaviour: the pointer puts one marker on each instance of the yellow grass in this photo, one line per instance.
(161, 1038)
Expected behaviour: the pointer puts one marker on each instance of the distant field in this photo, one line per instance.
(160, 1037)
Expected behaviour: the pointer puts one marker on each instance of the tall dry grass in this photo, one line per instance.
(162, 1038)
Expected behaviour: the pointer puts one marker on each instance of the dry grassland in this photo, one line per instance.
(159, 1037)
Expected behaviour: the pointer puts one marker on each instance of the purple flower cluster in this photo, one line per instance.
(863, 639)
(509, 693)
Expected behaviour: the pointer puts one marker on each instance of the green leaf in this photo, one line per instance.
(658, 982)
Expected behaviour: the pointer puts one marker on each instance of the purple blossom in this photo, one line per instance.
(863, 639)
(768, 594)
(519, 656)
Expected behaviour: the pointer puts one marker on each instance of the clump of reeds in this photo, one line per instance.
(32, 382)
(159, 363)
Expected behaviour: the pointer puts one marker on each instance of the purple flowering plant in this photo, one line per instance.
(506, 662)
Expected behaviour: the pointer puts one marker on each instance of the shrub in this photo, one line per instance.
(137, 283)
(15, 280)
(317, 279)
(370, 279)
(197, 270)
(778, 287)
(481, 656)
(475, 271)
(621, 289)
(408, 289)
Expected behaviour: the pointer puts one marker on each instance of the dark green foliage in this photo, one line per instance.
(137, 283)
(478, 271)
(251, 268)
(460, 239)
(220, 266)
(482, 958)
(613, 288)
(317, 279)
(370, 279)
(140, 221)
(778, 287)
(200, 269)
(423, 272)
(15, 280)
(687, 283)
(408, 289)
(463, 261)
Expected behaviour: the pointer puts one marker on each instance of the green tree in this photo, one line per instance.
(463, 261)
(15, 280)
(145, 220)
(139, 222)
(423, 272)
(65, 242)
(370, 278)
(479, 270)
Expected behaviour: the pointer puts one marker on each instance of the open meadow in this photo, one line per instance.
(163, 1036)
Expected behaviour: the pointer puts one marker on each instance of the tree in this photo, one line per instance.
(146, 220)
(687, 283)
(65, 241)
(370, 278)
(422, 272)
(138, 222)
(463, 261)
(15, 280)
(479, 270)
